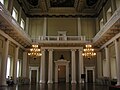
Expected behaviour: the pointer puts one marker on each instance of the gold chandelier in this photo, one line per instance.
(34, 51)
(88, 51)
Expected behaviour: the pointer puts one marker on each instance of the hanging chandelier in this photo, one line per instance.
(34, 51)
(88, 51)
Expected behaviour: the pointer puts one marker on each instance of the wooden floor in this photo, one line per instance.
(60, 86)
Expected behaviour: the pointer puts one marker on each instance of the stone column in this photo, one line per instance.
(113, 5)
(27, 25)
(15, 63)
(97, 25)
(67, 72)
(80, 65)
(117, 51)
(19, 17)
(79, 27)
(50, 66)
(104, 16)
(99, 64)
(24, 68)
(42, 67)
(107, 74)
(56, 73)
(73, 66)
(45, 26)
(10, 5)
(4, 63)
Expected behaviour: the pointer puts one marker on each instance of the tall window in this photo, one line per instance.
(2, 1)
(8, 72)
(15, 14)
(101, 23)
(18, 68)
(5, 3)
(22, 23)
(109, 13)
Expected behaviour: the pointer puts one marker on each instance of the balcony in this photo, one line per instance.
(11, 27)
(61, 40)
(109, 30)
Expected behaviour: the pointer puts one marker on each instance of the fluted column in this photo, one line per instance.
(42, 68)
(24, 68)
(80, 65)
(4, 63)
(107, 74)
(117, 51)
(50, 66)
(15, 63)
(73, 62)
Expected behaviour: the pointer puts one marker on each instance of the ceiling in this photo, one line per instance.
(58, 8)
(83, 8)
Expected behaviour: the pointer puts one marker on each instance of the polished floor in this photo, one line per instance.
(60, 86)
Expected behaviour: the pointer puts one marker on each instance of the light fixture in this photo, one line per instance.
(34, 51)
(88, 51)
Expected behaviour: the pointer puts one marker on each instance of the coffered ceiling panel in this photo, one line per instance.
(62, 7)
(62, 3)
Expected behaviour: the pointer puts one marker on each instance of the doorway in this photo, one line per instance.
(61, 73)
(33, 76)
(61, 70)
(90, 74)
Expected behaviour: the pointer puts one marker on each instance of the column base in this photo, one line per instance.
(81, 81)
(73, 82)
(3, 84)
(41, 81)
(50, 82)
(118, 83)
(67, 81)
(56, 81)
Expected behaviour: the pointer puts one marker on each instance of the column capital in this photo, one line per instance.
(43, 50)
(116, 40)
(80, 50)
(106, 47)
(17, 47)
(73, 49)
(50, 50)
(6, 39)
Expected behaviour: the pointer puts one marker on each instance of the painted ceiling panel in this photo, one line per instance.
(62, 3)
